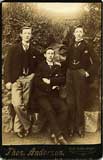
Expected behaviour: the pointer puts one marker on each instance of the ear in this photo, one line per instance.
(74, 33)
(20, 35)
(44, 55)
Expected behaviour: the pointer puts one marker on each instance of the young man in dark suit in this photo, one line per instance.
(19, 70)
(48, 79)
(80, 67)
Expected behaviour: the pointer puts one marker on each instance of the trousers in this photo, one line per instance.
(55, 111)
(20, 99)
(76, 95)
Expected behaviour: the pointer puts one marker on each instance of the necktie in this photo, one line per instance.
(25, 47)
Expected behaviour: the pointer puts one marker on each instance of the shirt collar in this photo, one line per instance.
(76, 40)
(50, 63)
(25, 45)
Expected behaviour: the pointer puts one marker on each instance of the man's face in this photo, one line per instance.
(49, 55)
(78, 33)
(26, 34)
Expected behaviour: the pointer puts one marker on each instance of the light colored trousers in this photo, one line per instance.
(20, 98)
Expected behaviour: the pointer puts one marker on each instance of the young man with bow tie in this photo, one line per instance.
(48, 79)
(19, 70)
(79, 69)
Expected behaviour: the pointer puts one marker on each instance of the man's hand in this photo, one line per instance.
(46, 80)
(54, 87)
(8, 85)
(87, 74)
(84, 73)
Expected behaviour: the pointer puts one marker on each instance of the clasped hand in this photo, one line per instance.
(46, 80)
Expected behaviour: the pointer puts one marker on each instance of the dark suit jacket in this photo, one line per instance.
(13, 65)
(56, 76)
(82, 56)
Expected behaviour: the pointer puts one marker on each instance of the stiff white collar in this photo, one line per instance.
(50, 63)
(78, 40)
(25, 45)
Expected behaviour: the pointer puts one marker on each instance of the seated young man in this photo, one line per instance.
(48, 79)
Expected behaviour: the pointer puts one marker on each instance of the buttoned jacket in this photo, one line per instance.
(80, 57)
(54, 73)
(13, 65)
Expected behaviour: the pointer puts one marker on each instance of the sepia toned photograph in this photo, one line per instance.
(51, 73)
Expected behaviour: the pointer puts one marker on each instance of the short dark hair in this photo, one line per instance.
(63, 50)
(25, 26)
(78, 26)
(48, 48)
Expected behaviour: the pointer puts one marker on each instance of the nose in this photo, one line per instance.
(50, 54)
(79, 34)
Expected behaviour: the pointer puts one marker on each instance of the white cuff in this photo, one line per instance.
(87, 74)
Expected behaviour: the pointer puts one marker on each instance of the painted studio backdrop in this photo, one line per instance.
(53, 24)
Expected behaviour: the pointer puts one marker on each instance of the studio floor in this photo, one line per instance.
(43, 138)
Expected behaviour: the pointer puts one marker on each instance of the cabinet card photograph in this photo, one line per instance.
(51, 73)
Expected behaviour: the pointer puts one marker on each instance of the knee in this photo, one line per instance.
(50, 111)
(18, 107)
(64, 106)
(65, 109)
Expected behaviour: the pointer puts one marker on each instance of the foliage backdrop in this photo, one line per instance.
(46, 33)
